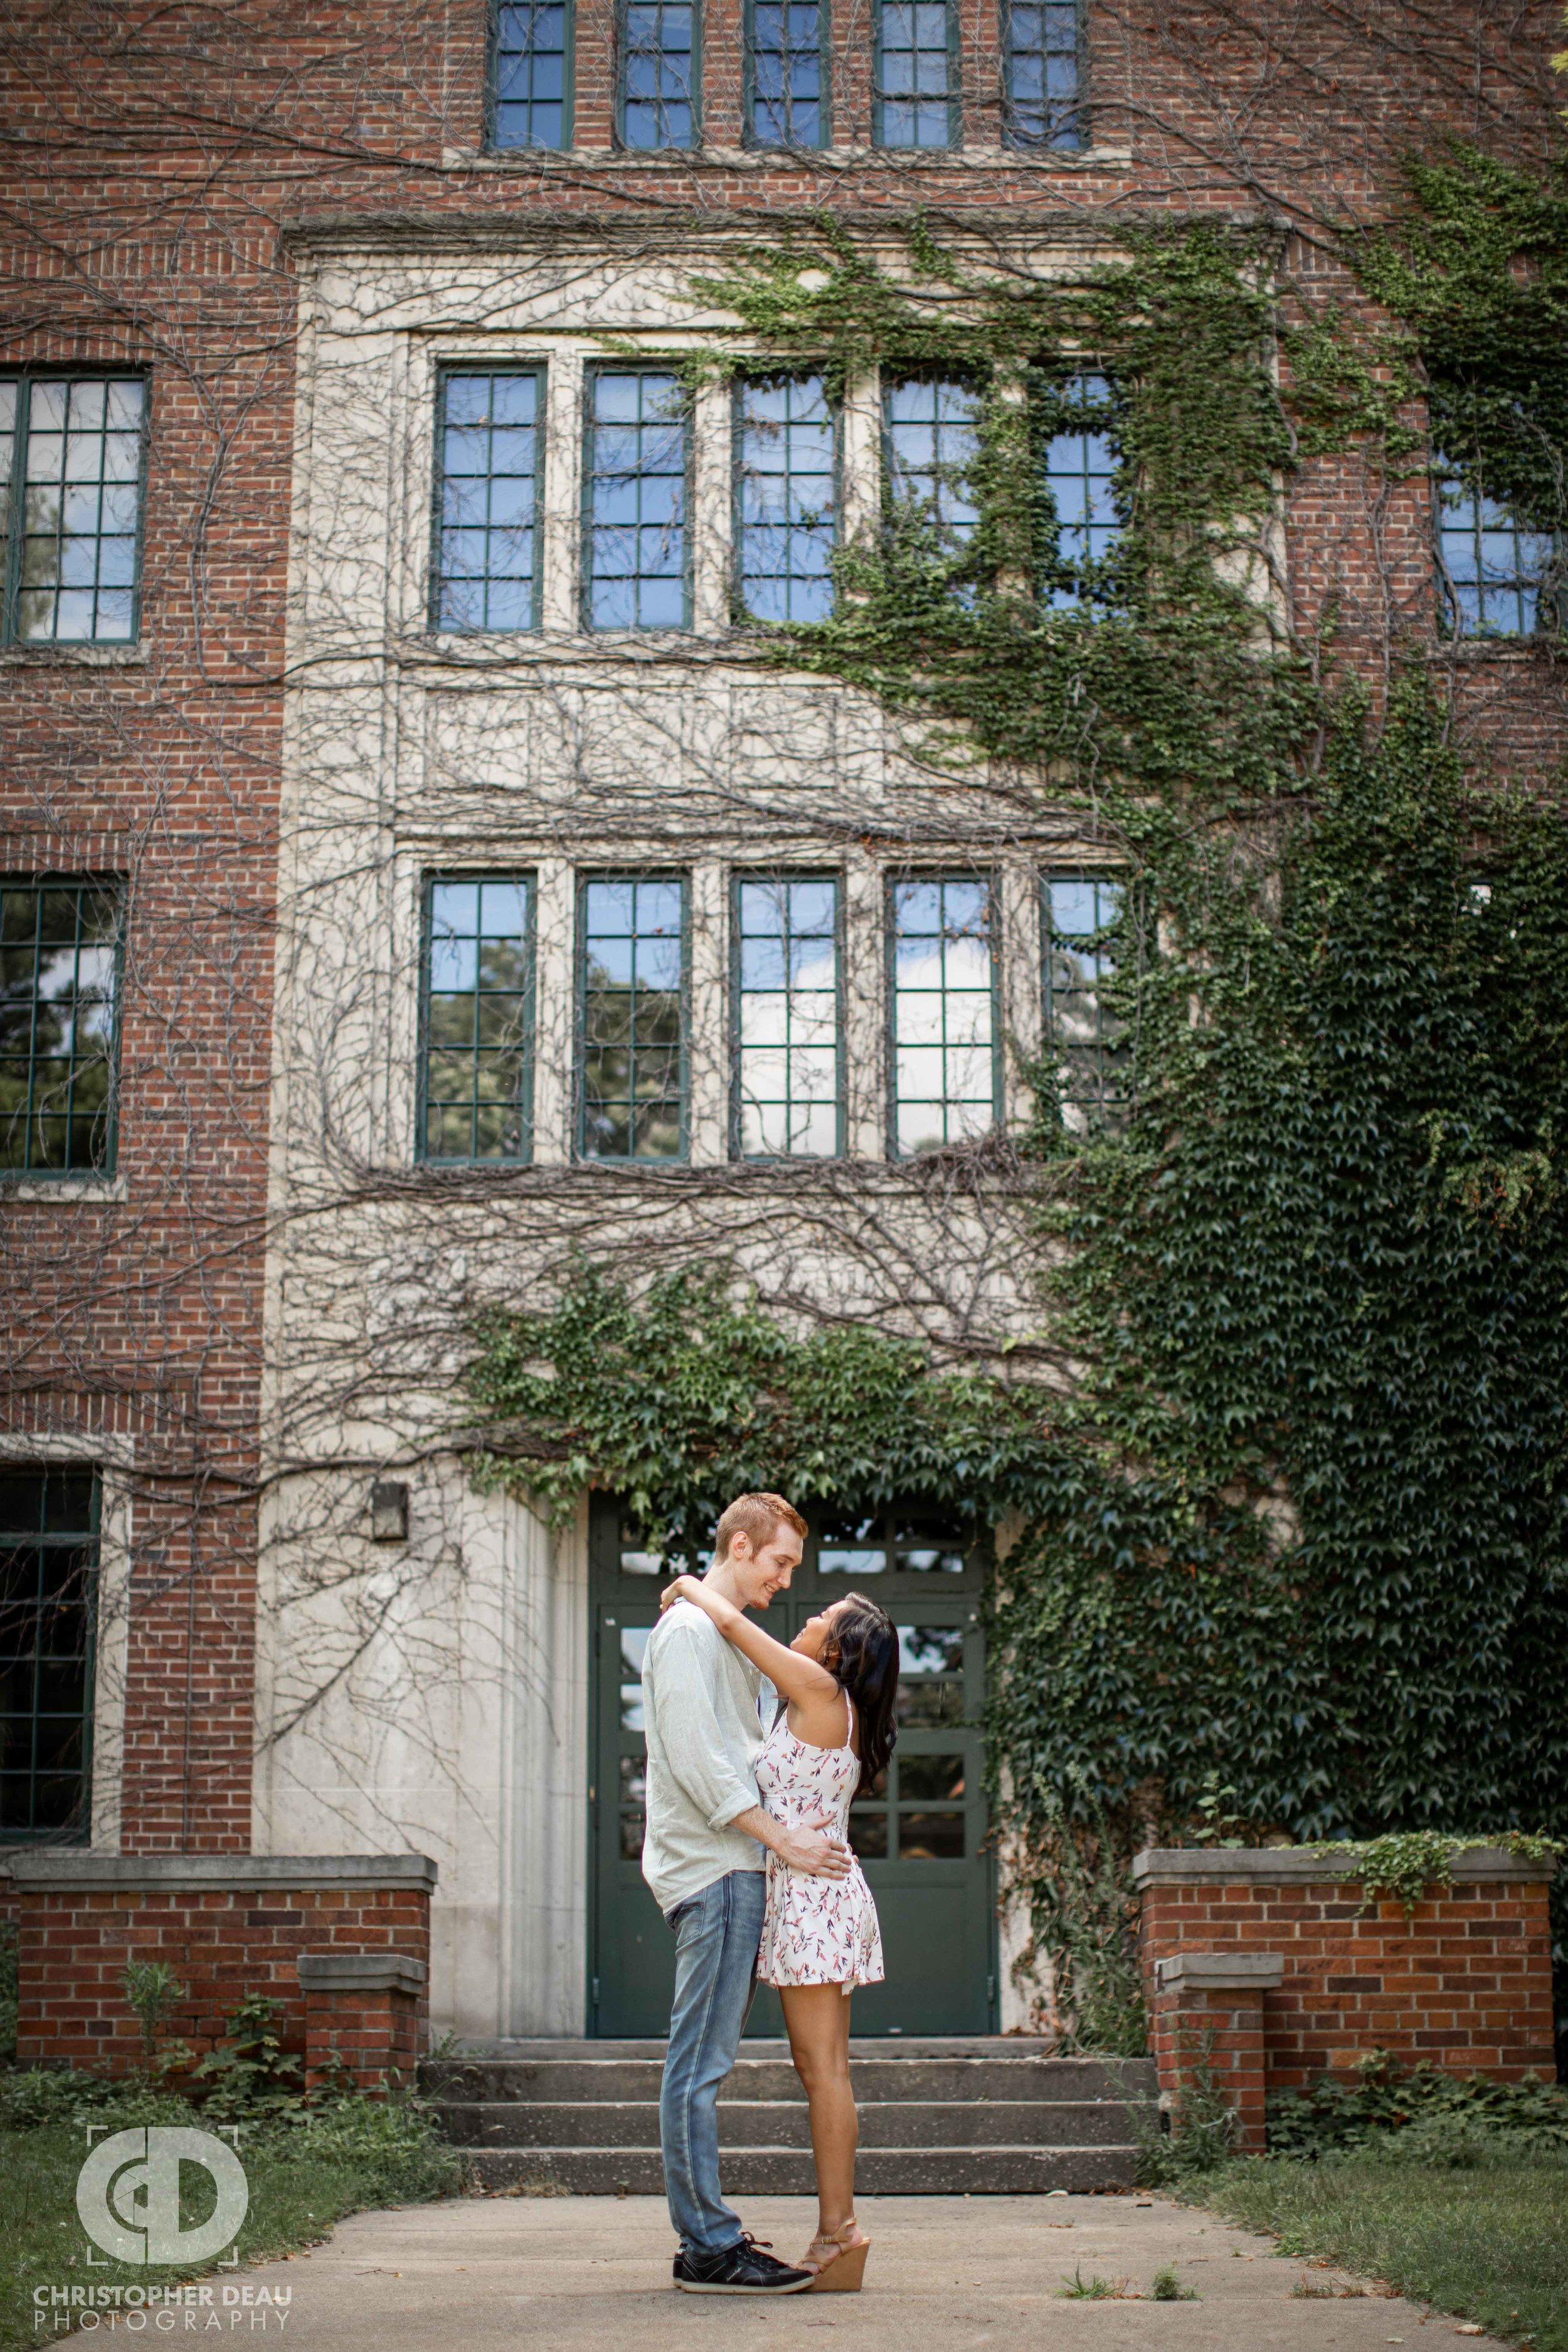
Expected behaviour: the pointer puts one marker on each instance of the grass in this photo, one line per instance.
(1166, 2288)
(1077, 2289)
(304, 2175)
(1488, 2241)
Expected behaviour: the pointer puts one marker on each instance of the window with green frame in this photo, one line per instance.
(931, 439)
(1083, 460)
(70, 508)
(786, 73)
(660, 58)
(476, 1064)
(785, 498)
(635, 498)
(59, 1035)
(1042, 75)
(1085, 1041)
(531, 74)
(1497, 578)
(486, 499)
(903, 1540)
(788, 1080)
(916, 101)
(48, 1579)
(945, 1071)
(631, 936)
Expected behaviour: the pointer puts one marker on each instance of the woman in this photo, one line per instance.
(820, 1938)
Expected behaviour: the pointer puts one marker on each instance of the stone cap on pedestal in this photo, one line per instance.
(1221, 1972)
(1297, 1865)
(361, 1973)
(74, 1871)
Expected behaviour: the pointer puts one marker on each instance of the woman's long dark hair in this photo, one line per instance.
(863, 1661)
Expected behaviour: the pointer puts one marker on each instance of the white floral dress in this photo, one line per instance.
(814, 1930)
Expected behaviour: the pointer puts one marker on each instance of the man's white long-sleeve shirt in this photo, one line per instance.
(700, 1722)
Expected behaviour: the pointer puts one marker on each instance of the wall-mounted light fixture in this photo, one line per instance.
(389, 1511)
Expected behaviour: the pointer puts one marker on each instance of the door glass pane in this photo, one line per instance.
(931, 1547)
(931, 1837)
(932, 1777)
(851, 1547)
(635, 1558)
(930, 1675)
(869, 1834)
(634, 1643)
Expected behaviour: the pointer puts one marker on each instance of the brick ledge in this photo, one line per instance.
(192, 1873)
(1297, 1866)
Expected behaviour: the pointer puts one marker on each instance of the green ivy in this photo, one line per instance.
(1299, 1527)
(1319, 1543)
(687, 1394)
(1476, 273)
(1401, 1865)
(1158, 683)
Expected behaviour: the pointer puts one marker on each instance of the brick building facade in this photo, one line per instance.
(245, 741)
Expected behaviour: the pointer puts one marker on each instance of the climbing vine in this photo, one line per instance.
(1299, 1519)
(1401, 1866)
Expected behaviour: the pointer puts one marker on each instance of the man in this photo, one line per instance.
(702, 1856)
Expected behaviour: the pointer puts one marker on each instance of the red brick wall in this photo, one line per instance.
(1467, 1982)
(373, 2035)
(222, 1943)
(1220, 2033)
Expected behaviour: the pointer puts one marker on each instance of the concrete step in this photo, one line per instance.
(785, 2123)
(762, 2045)
(789, 2172)
(915, 2076)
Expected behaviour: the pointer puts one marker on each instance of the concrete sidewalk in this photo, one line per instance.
(567, 2274)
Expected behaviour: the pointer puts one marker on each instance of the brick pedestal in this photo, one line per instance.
(1207, 2014)
(1275, 1959)
(228, 1926)
(362, 2012)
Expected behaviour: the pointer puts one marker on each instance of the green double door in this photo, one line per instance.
(920, 1835)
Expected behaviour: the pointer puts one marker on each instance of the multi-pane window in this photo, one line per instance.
(70, 507)
(785, 498)
(1041, 74)
(787, 1076)
(636, 499)
(532, 74)
(478, 1076)
(907, 1542)
(943, 1015)
(48, 1569)
(60, 949)
(916, 102)
(1082, 466)
(633, 933)
(918, 1807)
(1495, 575)
(487, 564)
(788, 73)
(930, 431)
(660, 65)
(1085, 1040)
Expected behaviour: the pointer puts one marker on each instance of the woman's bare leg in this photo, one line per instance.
(817, 2019)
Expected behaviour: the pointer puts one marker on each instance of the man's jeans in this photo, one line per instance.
(717, 1935)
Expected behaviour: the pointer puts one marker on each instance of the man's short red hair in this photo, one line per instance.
(756, 1516)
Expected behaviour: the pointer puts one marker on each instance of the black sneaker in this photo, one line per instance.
(741, 2269)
